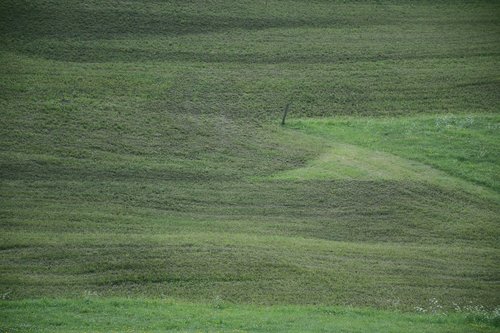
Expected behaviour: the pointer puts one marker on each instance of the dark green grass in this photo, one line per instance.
(328, 57)
(131, 225)
(140, 153)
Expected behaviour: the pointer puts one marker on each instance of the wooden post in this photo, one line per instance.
(285, 113)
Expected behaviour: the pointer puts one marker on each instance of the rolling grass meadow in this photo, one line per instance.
(146, 184)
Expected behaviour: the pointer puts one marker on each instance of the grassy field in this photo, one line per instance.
(141, 315)
(143, 168)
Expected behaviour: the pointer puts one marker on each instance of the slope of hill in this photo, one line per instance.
(141, 156)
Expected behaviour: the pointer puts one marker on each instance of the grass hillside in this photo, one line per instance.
(143, 168)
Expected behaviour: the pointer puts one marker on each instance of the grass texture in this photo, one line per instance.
(141, 315)
(141, 156)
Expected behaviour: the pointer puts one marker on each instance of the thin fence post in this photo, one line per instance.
(285, 113)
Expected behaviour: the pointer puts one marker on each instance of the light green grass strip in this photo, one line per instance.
(459, 152)
(345, 161)
(147, 315)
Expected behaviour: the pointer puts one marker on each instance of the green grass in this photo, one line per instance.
(466, 147)
(140, 315)
(141, 156)
(249, 59)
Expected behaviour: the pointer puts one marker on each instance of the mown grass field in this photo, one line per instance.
(144, 173)
(127, 315)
